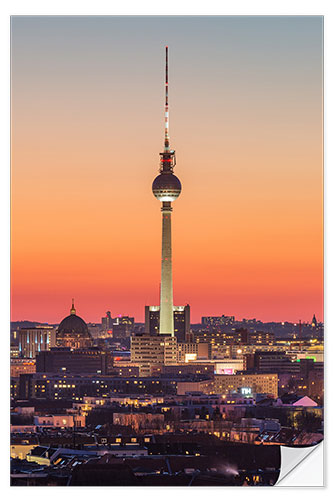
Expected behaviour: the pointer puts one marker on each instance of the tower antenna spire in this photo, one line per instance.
(166, 125)
(168, 157)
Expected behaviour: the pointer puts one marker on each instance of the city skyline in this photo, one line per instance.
(115, 315)
(250, 218)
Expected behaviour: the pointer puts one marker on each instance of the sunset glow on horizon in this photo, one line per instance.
(246, 114)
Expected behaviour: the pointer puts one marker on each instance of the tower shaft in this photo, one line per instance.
(166, 299)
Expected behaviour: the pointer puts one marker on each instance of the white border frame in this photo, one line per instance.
(147, 7)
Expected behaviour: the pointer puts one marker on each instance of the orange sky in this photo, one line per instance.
(87, 127)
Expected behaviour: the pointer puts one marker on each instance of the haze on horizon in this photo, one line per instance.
(246, 120)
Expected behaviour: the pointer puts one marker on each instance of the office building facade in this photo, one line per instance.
(35, 340)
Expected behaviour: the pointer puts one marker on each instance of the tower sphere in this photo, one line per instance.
(166, 187)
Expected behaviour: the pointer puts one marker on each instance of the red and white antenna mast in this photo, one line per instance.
(168, 159)
(166, 125)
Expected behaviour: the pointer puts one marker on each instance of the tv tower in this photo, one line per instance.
(166, 188)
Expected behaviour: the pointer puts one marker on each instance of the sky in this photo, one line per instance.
(87, 117)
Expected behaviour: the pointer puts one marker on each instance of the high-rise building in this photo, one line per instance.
(107, 322)
(123, 326)
(166, 188)
(151, 353)
(181, 321)
(34, 340)
(152, 320)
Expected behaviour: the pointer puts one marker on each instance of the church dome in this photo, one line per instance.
(73, 324)
(73, 332)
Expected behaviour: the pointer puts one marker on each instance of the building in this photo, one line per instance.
(317, 354)
(166, 188)
(316, 384)
(76, 387)
(64, 359)
(14, 351)
(126, 370)
(19, 448)
(14, 387)
(254, 383)
(265, 361)
(137, 401)
(95, 330)
(107, 323)
(217, 320)
(308, 381)
(36, 339)
(228, 366)
(258, 338)
(189, 369)
(202, 366)
(238, 351)
(181, 321)
(191, 351)
(60, 421)
(150, 353)
(238, 336)
(152, 320)
(123, 327)
(219, 339)
(73, 332)
(14, 336)
(144, 422)
(206, 386)
(314, 322)
(19, 366)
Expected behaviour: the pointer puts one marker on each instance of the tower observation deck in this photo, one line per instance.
(166, 188)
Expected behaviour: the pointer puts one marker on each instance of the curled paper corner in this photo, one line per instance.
(302, 466)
